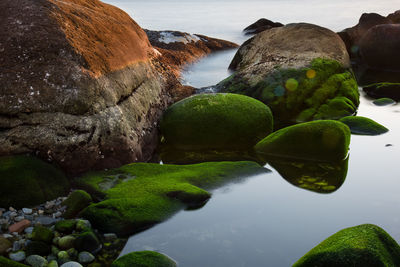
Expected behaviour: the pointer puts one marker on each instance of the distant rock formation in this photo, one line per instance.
(260, 26)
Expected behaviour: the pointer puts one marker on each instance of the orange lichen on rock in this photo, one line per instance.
(106, 37)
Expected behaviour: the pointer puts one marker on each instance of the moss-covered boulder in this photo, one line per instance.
(363, 126)
(42, 234)
(216, 121)
(324, 89)
(65, 226)
(10, 263)
(144, 259)
(87, 241)
(316, 176)
(139, 195)
(28, 181)
(384, 101)
(365, 245)
(324, 140)
(76, 202)
(384, 89)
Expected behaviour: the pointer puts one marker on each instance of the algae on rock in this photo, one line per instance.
(144, 259)
(365, 245)
(155, 192)
(363, 126)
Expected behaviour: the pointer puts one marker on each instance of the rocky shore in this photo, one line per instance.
(88, 97)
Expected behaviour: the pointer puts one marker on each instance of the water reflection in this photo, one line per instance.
(316, 176)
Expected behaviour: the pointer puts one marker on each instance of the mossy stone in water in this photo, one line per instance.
(216, 121)
(385, 101)
(27, 181)
(42, 234)
(324, 140)
(384, 89)
(144, 259)
(76, 202)
(155, 192)
(65, 226)
(365, 245)
(4, 262)
(363, 126)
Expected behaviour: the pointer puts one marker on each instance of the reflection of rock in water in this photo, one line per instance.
(171, 155)
(320, 177)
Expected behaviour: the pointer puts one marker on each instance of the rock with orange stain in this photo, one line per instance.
(19, 226)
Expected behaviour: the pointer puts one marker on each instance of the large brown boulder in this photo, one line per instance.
(379, 47)
(78, 85)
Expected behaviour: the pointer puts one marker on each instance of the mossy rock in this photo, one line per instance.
(316, 176)
(76, 202)
(216, 121)
(65, 226)
(140, 195)
(364, 126)
(144, 259)
(322, 90)
(325, 140)
(42, 234)
(365, 245)
(384, 101)
(27, 181)
(384, 89)
(37, 248)
(87, 241)
(4, 262)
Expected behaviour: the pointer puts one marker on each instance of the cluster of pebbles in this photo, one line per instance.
(23, 235)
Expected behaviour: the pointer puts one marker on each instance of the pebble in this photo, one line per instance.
(85, 257)
(16, 246)
(8, 236)
(45, 221)
(53, 263)
(19, 218)
(19, 226)
(71, 264)
(27, 211)
(17, 256)
(29, 230)
(66, 242)
(36, 261)
(11, 209)
(110, 237)
(57, 214)
(13, 214)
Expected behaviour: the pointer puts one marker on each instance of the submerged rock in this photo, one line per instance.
(260, 26)
(159, 192)
(384, 101)
(365, 245)
(316, 176)
(363, 126)
(384, 89)
(27, 181)
(144, 259)
(89, 92)
(324, 140)
(216, 121)
(300, 71)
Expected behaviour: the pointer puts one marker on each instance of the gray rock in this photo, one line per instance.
(110, 237)
(36, 261)
(27, 211)
(16, 246)
(45, 221)
(85, 257)
(17, 256)
(71, 264)
(29, 230)
(19, 218)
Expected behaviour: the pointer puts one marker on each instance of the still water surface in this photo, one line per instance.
(264, 220)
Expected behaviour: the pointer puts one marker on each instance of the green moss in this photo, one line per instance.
(360, 246)
(4, 262)
(383, 89)
(26, 181)
(76, 202)
(155, 192)
(65, 226)
(324, 140)
(87, 241)
(216, 121)
(316, 176)
(293, 95)
(363, 126)
(144, 259)
(42, 234)
(384, 101)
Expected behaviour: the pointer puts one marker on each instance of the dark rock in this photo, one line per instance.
(379, 47)
(87, 241)
(5, 245)
(391, 90)
(65, 226)
(384, 101)
(365, 245)
(37, 248)
(76, 202)
(260, 26)
(363, 126)
(42, 234)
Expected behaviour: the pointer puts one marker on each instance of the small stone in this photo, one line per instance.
(63, 257)
(49, 205)
(29, 230)
(53, 263)
(27, 211)
(13, 214)
(57, 214)
(19, 218)
(19, 226)
(5, 245)
(85, 257)
(71, 264)
(45, 221)
(66, 242)
(36, 261)
(8, 236)
(40, 212)
(11, 209)
(17, 256)
(83, 225)
(110, 237)
(16, 246)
